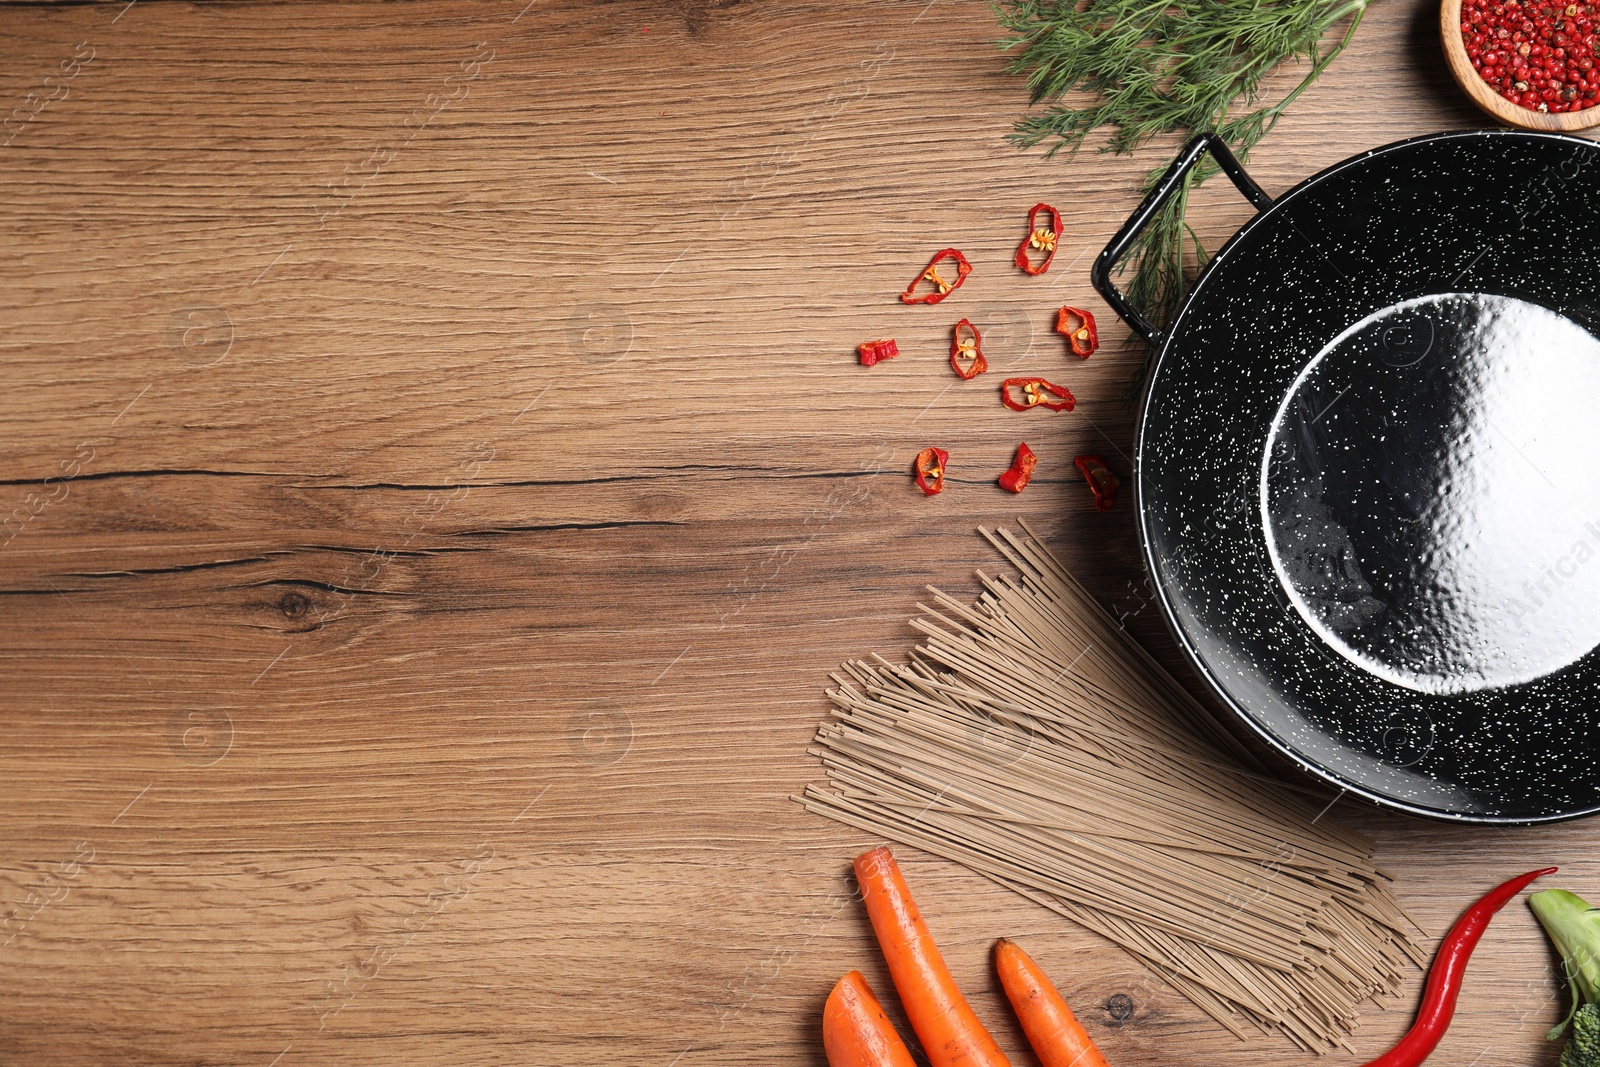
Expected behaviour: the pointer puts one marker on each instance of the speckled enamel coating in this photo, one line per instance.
(1402, 697)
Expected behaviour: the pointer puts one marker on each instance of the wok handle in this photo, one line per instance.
(1100, 275)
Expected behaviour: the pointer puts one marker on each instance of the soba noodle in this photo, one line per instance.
(1031, 739)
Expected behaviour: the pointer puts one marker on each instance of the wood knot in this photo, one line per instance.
(1120, 1007)
(294, 611)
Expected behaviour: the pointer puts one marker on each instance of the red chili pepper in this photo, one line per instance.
(1016, 479)
(1039, 237)
(941, 286)
(1102, 482)
(1082, 335)
(1444, 977)
(967, 348)
(875, 352)
(1034, 393)
(930, 469)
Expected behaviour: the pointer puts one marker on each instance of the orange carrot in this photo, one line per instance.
(1053, 1031)
(856, 1032)
(950, 1033)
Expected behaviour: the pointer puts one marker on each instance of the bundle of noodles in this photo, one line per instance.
(1031, 739)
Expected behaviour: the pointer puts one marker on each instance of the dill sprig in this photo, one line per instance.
(1158, 67)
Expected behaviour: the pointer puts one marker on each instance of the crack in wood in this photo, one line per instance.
(180, 568)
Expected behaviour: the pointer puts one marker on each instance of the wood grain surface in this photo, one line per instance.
(440, 481)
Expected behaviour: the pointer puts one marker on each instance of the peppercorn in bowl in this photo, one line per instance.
(1529, 63)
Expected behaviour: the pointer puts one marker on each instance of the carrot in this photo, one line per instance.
(856, 1032)
(950, 1033)
(1053, 1031)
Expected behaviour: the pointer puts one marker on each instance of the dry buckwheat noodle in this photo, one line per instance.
(1031, 739)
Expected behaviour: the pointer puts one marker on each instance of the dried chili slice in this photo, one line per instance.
(1016, 479)
(1041, 238)
(968, 349)
(1077, 326)
(875, 352)
(930, 469)
(1102, 482)
(942, 287)
(1035, 393)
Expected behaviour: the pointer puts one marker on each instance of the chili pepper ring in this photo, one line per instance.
(1035, 393)
(874, 352)
(930, 470)
(942, 286)
(1021, 471)
(966, 343)
(1102, 483)
(1041, 238)
(1077, 326)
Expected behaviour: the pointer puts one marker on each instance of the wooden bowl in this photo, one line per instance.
(1483, 94)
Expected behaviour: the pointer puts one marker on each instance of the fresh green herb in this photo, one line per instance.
(1158, 67)
(1574, 928)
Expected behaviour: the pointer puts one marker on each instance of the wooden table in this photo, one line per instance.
(460, 484)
